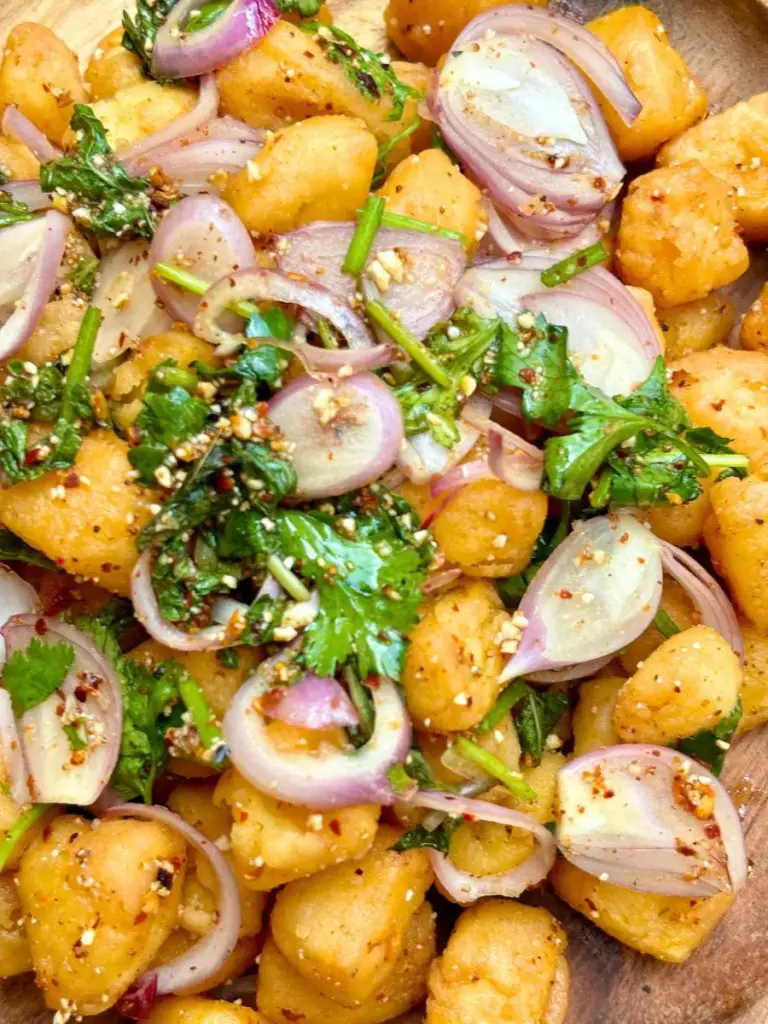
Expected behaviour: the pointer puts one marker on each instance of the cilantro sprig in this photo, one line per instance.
(33, 674)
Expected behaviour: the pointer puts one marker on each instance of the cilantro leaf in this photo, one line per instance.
(105, 199)
(304, 8)
(32, 675)
(438, 839)
(205, 16)
(374, 78)
(83, 274)
(705, 745)
(140, 32)
(13, 211)
(541, 368)
(13, 549)
(539, 714)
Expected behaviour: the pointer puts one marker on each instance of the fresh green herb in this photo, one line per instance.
(139, 34)
(505, 702)
(380, 171)
(711, 745)
(75, 402)
(32, 675)
(635, 450)
(438, 839)
(538, 715)
(4, 176)
(270, 322)
(203, 718)
(304, 8)
(288, 580)
(83, 274)
(13, 549)
(438, 142)
(12, 211)
(168, 417)
(371, 72)
(326, 333)
(496, 768)
(229, 658)
(399, 220)
(13, 836)
(418, 770)
(360, 695)
(665, 624)
(512, 589)
(416, 349)
(206, 15)
(574, 265)
(103, 197)
(368, 223)
(399, 779)
(76, 741)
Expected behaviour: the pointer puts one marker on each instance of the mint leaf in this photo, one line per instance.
(438, 839)
(32, 675)
(539, 714)
(12, 211)
(705, 745)
(140, 32)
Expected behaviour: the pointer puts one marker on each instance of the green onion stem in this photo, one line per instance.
(574, 265)
(416, 349)
(399, 778)
(19, 829)
(199, 286)
(399, 220)
(325, 333)
(176, 377)
(202, 716)
(361, 698)
(386, 148)
(368, 224)
(665, 624)
(80, 364)
(725, 461)
(288, 580)
(507, 699)
(494, 766)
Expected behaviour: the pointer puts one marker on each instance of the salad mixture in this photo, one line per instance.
(384, 491)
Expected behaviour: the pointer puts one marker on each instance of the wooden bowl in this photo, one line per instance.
(726, 43)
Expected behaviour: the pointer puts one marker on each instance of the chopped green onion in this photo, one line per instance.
(507, 699)
(361, 697)
(399, 778)
(494, 766)
(203, 718)
(289, 581)
(416, 349)
(199, 286)
(574, 265)
(19, 829)
(80, 365)
(723, 460)
(399, 220)
(386, 148)
(665, 624)
(325, 332)
(368, 224)
(176, 377)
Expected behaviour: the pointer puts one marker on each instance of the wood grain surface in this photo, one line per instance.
(726, 42)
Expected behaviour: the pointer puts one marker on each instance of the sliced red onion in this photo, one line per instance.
(611, 340)
(331, 779)
(11, 752)
(213, 638)
(91, 696)
(28, 192)
(315, 702)
(595, 593)
(139, 1000)
(271, 286)
(464, 887)
(520, 468)
(194, 166)
(126, 297)
(423, 269)
(565, 675)
(17, 597)
(205, 236)
(650, 818)
(455, 479)
(34, 250)
(205, 110)
(422, 457)
(346, 433)
(193, 968)
(439, 580)
(180, 54)
(709, 598)
(509, 240)
(525, 122)
(18, 126)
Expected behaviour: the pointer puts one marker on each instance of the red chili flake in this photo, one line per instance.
(46, 833)
(623, 538)
(72, 480)
(565, 594)
(242, 816)
(133, 435)
(717, 406)
(712, 831)
(107, 567)
(291, 1015)
(335, 827)
(224, 483)
(528, 375)
(41, 627)
(141, 917)
(33, 456)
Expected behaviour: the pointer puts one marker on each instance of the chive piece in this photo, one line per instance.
(723, 460)
(386, 148)
(199, 286)
(399, 220)
(18, 830)
(368, 224)
(574, 265)
(416, 349)
(507, 699)
(202, 716)
(665, 624)
(80, 365)
(494, 766)
(325, 333)
(361, 698)
(288, 580)
(399, 778)
(176, 377)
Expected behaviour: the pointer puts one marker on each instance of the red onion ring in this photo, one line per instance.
(36, 248)
(510, 240)
(315, 702)
(346, 433)
(92, 689)
(138, 1001)
(429, 265)
(422, 458)
(709, 598)
(648, 836)
(193, 166)
(520, 469)
(17, 597)
(332, 779)
(205, 109)
(11, 752)
(18, 126)
(271, 286)
(207, 956)
(180, 54)
(204, 235)
(464, 887)
(450, 483)
(28, 192)
(439, 580)
(595, 593)
(564, 675)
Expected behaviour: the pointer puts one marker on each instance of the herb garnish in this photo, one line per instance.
(438, 839)
(574, 265)
(12, 211)
(140, 33)
(32, 675)
(711, 745)
(102, 196)
(304, 8)
(536, 714)
(83, 274)
(205, 16)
